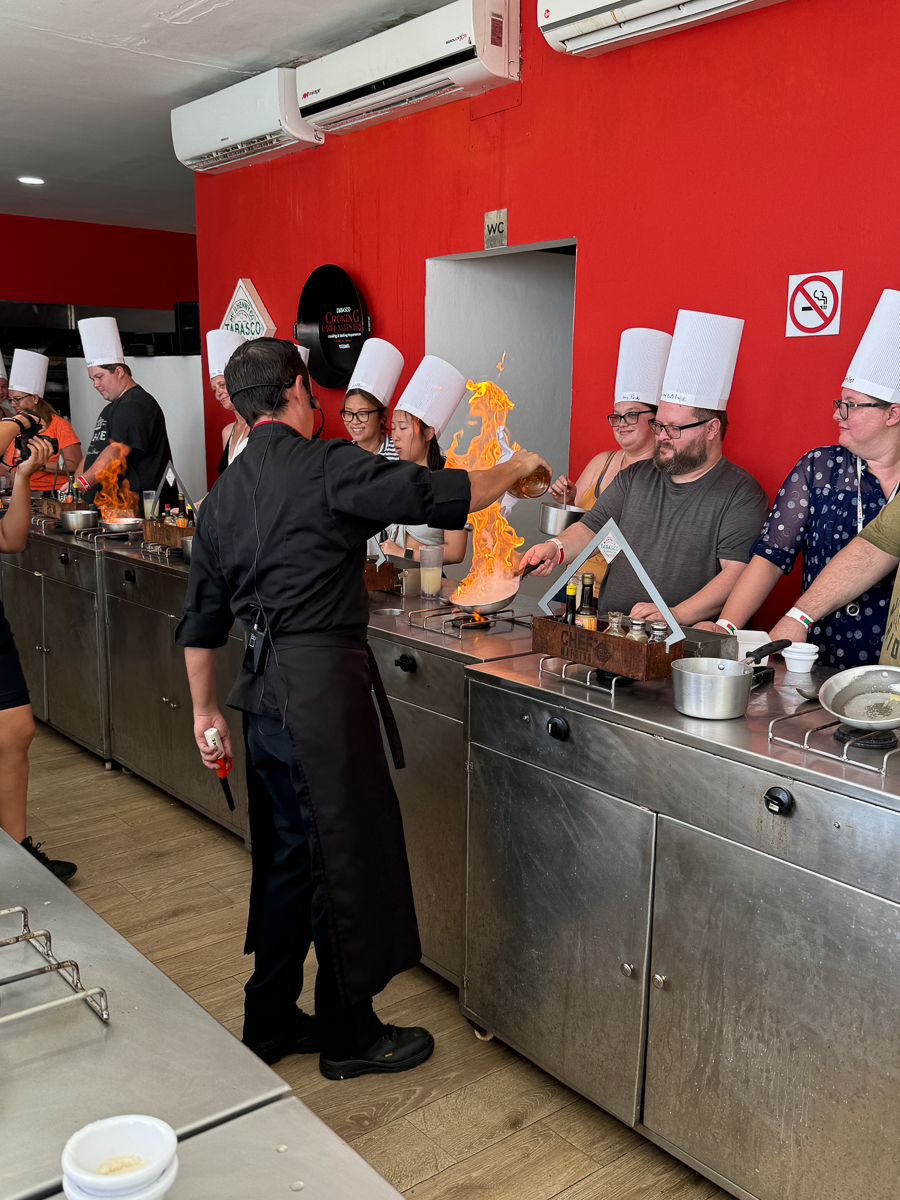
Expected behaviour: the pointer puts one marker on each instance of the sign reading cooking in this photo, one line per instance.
(246, 314)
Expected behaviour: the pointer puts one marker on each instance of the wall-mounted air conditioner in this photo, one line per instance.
(579, 27)
(459, 50)
(249, 122)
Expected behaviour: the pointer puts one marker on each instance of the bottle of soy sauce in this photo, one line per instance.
(586, 616)
(571, 593)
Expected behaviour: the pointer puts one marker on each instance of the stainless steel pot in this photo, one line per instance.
(555, 518)
(718, 689)
(73, 519)
(186, 543)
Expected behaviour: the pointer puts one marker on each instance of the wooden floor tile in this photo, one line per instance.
(402, 1154)
(593, 1131)
(645, 1173)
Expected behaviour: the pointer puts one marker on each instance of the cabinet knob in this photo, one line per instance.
(406, 663)
(659, 981)
(166, 700)
(558, 728)
(130, 576)
(779, 801)
(627, 970)
(64, 558)
(172, 704)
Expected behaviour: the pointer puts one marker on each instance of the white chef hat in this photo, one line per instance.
(377, 370)
(643, 354)
(701, 360)
(3, 374)
(433, 393)
(875, 369)
(29, 372)
(220, 345)
(101, 341)
(304, 353)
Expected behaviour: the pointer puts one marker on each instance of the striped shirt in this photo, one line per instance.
(388, 450)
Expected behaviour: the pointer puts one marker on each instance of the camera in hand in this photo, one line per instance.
(23, 443)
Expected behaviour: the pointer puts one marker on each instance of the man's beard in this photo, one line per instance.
(683, 460)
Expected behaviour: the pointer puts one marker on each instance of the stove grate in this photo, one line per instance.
(854, 739)
(606, 681)
(67, 969)
(453, 622)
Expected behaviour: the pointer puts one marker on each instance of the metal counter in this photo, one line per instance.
(268, 1153)
(160, 1053)
(695, 927)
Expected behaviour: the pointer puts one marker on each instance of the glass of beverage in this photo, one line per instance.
(148, 504)
(431, 560)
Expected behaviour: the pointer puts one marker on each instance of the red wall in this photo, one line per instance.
(696, 171)
(73, 262)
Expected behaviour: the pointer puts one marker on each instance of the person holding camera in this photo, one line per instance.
(16, 719)
(27, 382)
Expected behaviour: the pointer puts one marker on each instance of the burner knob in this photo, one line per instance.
(64, 558)
(406, 662)
(130, 577)
(558, 728)
(779, 801)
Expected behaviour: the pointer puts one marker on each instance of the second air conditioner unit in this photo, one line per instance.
(250, 122)
(581, 28)
(460, 50)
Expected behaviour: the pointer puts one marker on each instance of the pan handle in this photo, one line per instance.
(770, 648)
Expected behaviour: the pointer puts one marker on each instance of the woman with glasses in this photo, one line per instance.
(831, 494)
(369, 392)
(220, 345)
(27, 383)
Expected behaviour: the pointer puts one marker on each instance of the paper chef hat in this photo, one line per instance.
(433, 393)
(29, 372)
(377, 370)
(304, 354)
(3, 374)
(220, 345)
(643, 354)
(875, 369)
(101, 341)
(702, 359)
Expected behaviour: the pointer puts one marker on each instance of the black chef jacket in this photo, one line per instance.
(137, 420)
(285, 529)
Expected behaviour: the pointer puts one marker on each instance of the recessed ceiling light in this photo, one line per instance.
(32, 180)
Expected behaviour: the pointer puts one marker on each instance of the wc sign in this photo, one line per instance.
(814, 304)
(495, 228)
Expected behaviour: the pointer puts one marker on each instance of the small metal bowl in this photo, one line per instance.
(557, 517)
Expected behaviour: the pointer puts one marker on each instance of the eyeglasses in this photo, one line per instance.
(673, 432)
(628, 418)
(348, 414)
(842, 407)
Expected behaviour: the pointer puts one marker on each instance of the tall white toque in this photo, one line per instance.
(3, 374)
(643, 354)
(220, 345)
(433, 394)
(101, 341)
(29, 372)
(875, 369)
(702, 359)
(377, 370)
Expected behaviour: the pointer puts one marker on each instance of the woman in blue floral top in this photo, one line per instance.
(831, 493)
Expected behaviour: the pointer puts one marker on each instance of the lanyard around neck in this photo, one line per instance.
(860, 522)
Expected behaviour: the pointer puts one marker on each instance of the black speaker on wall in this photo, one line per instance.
(187, 326)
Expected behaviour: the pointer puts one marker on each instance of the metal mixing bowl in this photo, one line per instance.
(557, 517)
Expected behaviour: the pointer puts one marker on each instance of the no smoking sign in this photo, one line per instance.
(814, 304)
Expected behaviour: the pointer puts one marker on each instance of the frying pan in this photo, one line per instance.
(129, 525)
(495, 605)
(864, 697)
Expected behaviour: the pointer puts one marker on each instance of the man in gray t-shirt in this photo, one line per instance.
(689, 515)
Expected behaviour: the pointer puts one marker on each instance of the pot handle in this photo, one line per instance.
(769, 648)
(761, 675)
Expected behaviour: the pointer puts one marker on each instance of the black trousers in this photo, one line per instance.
(291, 916)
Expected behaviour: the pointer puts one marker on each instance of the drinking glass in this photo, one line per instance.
(431, 561)
(148, 504)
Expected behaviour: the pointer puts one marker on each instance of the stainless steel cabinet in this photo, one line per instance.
(557, 924)
(24, 607)
(76, 689)
(151, 714)
(773, 1046)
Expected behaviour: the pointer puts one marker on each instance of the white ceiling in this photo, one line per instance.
(86, 87)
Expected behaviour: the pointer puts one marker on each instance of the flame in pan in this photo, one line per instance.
(117, 502)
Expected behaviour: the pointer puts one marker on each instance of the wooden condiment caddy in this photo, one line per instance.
(166, 535)
(618, 655)
(383, 578)
(55, 508)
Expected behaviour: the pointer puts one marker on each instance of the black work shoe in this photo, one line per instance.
(304, 1040)
(61, 869)
(396, 1050)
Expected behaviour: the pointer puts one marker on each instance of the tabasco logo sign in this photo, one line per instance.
(246, 314)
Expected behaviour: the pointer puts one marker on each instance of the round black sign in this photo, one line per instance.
(332, 322)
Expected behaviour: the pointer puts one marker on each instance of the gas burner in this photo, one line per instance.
(157, 550)
(877, 739)
(453, 622)
(464, 620)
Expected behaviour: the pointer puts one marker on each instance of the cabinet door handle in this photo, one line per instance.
(64, 558)
(172, 704)
(166, 700)
(659, 981)
(627, 970)
(406, 662)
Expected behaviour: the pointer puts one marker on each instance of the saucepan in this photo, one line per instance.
(864, 697)
(718, 689)
(74, 519)
(555, 518)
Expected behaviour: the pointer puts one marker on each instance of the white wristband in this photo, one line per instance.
(732, 629)
(562, 551)
(799, 615)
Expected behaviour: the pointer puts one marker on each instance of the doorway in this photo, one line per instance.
(520, 301)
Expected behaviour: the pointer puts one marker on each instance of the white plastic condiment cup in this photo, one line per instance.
(800, 657)
(152, 1191)
(86, 1150)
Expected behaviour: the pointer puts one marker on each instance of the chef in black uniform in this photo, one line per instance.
(132, 423)
(281, 545)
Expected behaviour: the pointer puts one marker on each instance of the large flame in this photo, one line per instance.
(115, 501)
(494, 541)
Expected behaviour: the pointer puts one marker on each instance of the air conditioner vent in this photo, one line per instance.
(443, 87)
(216, 159)
(372, 89)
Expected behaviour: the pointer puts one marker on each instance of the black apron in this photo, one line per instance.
(321, 685)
